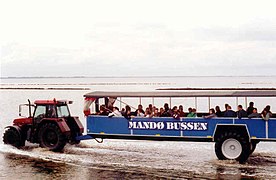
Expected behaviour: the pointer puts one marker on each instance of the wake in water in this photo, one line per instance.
(162, 159)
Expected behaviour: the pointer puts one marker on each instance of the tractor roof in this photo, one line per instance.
(54, 101)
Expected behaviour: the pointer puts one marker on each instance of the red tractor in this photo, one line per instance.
(51, 126)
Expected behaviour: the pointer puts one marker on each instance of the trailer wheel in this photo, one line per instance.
(233, 146)
(51, 137)
(12, 137)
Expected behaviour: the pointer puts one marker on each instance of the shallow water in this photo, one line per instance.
(125, 159)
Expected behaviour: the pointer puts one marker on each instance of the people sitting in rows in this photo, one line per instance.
(254, 114)
(115, 112)
(241, 112)
(250, 108)
(218, 112)
(229, 112)
(212, 114)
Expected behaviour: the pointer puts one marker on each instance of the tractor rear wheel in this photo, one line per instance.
(12, 137)
(51, 137)
(232, 146)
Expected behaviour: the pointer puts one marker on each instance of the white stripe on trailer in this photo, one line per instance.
(266, 129)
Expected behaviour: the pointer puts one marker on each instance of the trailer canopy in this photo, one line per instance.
(179, 93)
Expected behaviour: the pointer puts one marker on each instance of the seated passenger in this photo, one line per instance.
(175, 113)
(156, 113)
(127, 113)
(254, 114)
(181, 112)
(218, 112)
(250, 108)
(225, 105)
(266, 113)
(161, 112)
(241, 112)
(115, 112)
(140, 109)
(103, 111)
(150, 108)
(192, 112)
(167, 111)
(212, 114)
(148, 112)
(230, 112)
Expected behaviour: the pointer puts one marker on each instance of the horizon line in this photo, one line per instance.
(155, 76)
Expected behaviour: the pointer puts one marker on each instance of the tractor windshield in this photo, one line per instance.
(63, 111)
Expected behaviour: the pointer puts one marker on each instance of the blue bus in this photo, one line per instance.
(235, 138)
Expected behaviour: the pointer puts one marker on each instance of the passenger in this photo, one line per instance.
(167, 111)
(181, 112)
(212, 114)
(127, 113)
(230, 112)
(192, 112)
(140, 113)
(150, 108)
(161, 112)
(123, 111)
(218, 112)
(241, 112)
(115, 112)
(254, 114)
(225, 105)
(148, 112)
(268, 109)
(140, 109)
(156, 113)
(103, 111)
(266, 113)
(175, 113)
(250, 108)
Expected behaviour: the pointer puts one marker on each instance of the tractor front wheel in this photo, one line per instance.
(51, 137)
(12, 137)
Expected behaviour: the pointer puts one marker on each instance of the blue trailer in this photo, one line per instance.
(235, 138)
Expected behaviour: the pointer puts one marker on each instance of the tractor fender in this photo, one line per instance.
(80, 126)
(17, 128)
(64, 128)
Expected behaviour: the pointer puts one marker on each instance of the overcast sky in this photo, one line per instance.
(137, 37)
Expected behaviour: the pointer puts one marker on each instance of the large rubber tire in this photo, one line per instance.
(51, 137)
(232, 146)
(253, 146)
(12, 137)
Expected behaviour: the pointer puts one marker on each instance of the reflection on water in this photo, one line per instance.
(131, 160)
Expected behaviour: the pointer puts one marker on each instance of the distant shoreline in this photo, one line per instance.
(113, 77)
